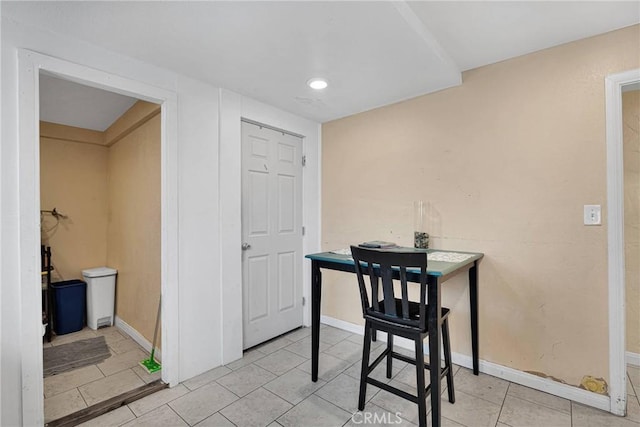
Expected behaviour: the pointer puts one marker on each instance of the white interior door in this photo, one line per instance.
(271, 233)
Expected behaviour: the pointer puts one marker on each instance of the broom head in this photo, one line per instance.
(150, 365)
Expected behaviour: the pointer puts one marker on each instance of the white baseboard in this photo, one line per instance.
(543, 384)
(137, 337)
(341, 324)
(513, 375)
(633, 359)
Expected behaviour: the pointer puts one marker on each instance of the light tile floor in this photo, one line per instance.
(74, 390)
(271, 386)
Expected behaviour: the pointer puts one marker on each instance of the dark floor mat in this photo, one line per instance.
(65, 357)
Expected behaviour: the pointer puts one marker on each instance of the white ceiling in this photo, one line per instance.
(72, 104)
(373, 53)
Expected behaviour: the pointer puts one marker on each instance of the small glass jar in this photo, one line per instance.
(420, 235)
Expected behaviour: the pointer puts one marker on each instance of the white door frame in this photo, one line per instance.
(299, 291)
(234, 108)
(615, 235)
(29, 66)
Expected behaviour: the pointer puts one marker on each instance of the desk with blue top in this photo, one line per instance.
(441, 266)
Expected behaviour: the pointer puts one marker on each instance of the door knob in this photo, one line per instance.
(246, 246)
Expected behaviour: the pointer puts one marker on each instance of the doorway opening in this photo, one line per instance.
(30, 65)
(631, 154)
(100, 228)
(615, 84)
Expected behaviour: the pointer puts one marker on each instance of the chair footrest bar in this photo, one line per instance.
(394, 390)
(376, 362)
(443, 372)
(407, 359)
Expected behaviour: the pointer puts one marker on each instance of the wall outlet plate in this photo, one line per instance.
(592, 215)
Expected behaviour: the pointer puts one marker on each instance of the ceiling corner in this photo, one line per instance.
(423, 31)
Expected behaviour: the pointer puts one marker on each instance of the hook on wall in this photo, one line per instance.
(54, 213)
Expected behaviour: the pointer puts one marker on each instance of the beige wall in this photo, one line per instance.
(631, 137)
(133, 243)
(108, 184)
(73, 179)
(507, 160)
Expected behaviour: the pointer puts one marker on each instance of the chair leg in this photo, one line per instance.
(389, 356)
(422, 395)
(364, 372)
(446, 344)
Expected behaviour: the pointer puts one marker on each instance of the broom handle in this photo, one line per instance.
(155, 332)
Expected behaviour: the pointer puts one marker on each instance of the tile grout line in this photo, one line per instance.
(544, 405)
(84, 334)
(82, 396)
(165, 403)
(503, 400)
(223, 386)
(172, 410)
(224, 418)
(571, 412)
(633, 387)
(279, 375)
(64, 391)
(219, 411)
(330, 403)
(486, 400)
(338, 374)
(276, 395)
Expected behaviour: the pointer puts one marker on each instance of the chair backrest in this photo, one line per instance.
(378, 265)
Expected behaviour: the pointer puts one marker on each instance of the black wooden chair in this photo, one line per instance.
(389, 309)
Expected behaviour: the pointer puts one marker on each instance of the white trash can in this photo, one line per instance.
(101, 293)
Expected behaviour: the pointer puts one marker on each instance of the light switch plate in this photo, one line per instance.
(592, 215)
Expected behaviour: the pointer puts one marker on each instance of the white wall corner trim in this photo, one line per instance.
(509, 374)
(615, 238)
(633, 359)
(230, 226)
(29, 205)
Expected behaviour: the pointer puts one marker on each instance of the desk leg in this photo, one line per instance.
(433, 324)
(473, 297)
(316, 291)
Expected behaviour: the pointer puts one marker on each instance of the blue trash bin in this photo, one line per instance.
(69, 301)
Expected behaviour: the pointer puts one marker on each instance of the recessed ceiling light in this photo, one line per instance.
(317, 83)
